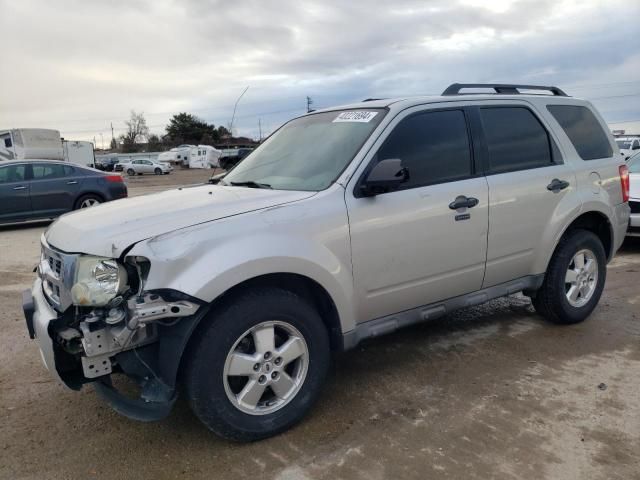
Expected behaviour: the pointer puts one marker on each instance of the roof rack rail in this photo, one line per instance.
(501, 88)
(372, 99)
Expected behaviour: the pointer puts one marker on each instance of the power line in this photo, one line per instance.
(614, 96)
(601, 85)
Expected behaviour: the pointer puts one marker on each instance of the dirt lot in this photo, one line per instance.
(491, 392)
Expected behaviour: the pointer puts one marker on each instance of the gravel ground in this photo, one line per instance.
(490, 392)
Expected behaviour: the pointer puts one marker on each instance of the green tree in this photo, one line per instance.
(154, 144)
(186, 128)
(223, 132)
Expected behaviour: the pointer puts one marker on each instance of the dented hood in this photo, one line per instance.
(108, 229)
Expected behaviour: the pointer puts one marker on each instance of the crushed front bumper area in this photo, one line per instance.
(153, 366)
(39, 314)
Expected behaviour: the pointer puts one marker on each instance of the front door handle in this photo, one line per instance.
(21, 187)
(463, 202)
(556, 185)
(72, 182)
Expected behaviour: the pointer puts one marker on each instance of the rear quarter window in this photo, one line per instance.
(583, 129)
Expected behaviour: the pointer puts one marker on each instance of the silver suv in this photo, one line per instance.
(347, 223)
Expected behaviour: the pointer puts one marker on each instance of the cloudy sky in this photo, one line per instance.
(78, 65)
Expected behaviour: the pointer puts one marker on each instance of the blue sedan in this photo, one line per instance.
(44, 189)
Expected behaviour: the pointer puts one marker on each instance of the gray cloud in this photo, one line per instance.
(77, 65)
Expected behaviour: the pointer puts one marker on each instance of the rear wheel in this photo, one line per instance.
(259, 365)
(574, 280)
(87, 201)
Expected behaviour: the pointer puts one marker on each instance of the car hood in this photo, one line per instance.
(108, 229)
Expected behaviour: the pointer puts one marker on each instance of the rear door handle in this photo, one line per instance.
(556, 185)
(72, 182)
(463, 202)
(21, 187)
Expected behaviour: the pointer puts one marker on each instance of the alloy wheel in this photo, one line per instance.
(581, 278)
(266, 367)
(89, 202)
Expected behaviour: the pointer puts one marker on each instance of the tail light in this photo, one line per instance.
(114, 178)
(624, 182)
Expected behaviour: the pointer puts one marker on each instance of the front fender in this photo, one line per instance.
(306, 239)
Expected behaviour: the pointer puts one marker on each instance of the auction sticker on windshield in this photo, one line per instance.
(355, 116)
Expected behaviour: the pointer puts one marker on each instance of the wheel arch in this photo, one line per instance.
(594, 221)
(301, 285)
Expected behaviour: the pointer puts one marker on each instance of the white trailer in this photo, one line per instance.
(30, 143)
(80, 153)
(177, 155)
(204, 156)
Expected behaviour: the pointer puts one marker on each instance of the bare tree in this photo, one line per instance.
(136, 130)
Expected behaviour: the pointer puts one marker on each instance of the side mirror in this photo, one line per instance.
(215, 179)
(385, 176)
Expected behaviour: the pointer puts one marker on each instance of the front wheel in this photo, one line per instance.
(259, 364)
(574, 280)
(131, 172)
(158, 171)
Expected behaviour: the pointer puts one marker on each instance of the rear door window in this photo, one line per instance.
(433, 146)
(516, 140)
(44, 171)
(583, 129)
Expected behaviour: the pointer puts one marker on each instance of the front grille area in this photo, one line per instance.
(56, 265)
(635, 207)
(56, 271)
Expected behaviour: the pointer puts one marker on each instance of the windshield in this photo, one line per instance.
(623, 144)
(308, 153)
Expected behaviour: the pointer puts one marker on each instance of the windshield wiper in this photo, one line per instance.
(251, 184)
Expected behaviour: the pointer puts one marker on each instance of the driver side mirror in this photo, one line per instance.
(385, 176)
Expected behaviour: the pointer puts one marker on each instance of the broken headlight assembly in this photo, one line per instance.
(97, 281)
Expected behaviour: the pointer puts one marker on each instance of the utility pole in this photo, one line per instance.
(234, 111)
(309, 103)
(260, 128)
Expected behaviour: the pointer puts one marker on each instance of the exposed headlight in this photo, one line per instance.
(97, 281)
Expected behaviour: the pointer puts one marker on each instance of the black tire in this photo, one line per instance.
(89, 198)
(131, 172)
(158, 171)
(551, 300)
(204, 373)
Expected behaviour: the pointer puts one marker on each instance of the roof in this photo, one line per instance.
(405, 102)
(33, 160)
(453, 94)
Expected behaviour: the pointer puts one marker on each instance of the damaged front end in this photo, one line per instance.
(93, 316)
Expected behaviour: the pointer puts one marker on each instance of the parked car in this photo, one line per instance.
(227, 162)
(140, 167)
(107, 164)
(40, 189)
(634, 194)
(345, 224)
(628, 145)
